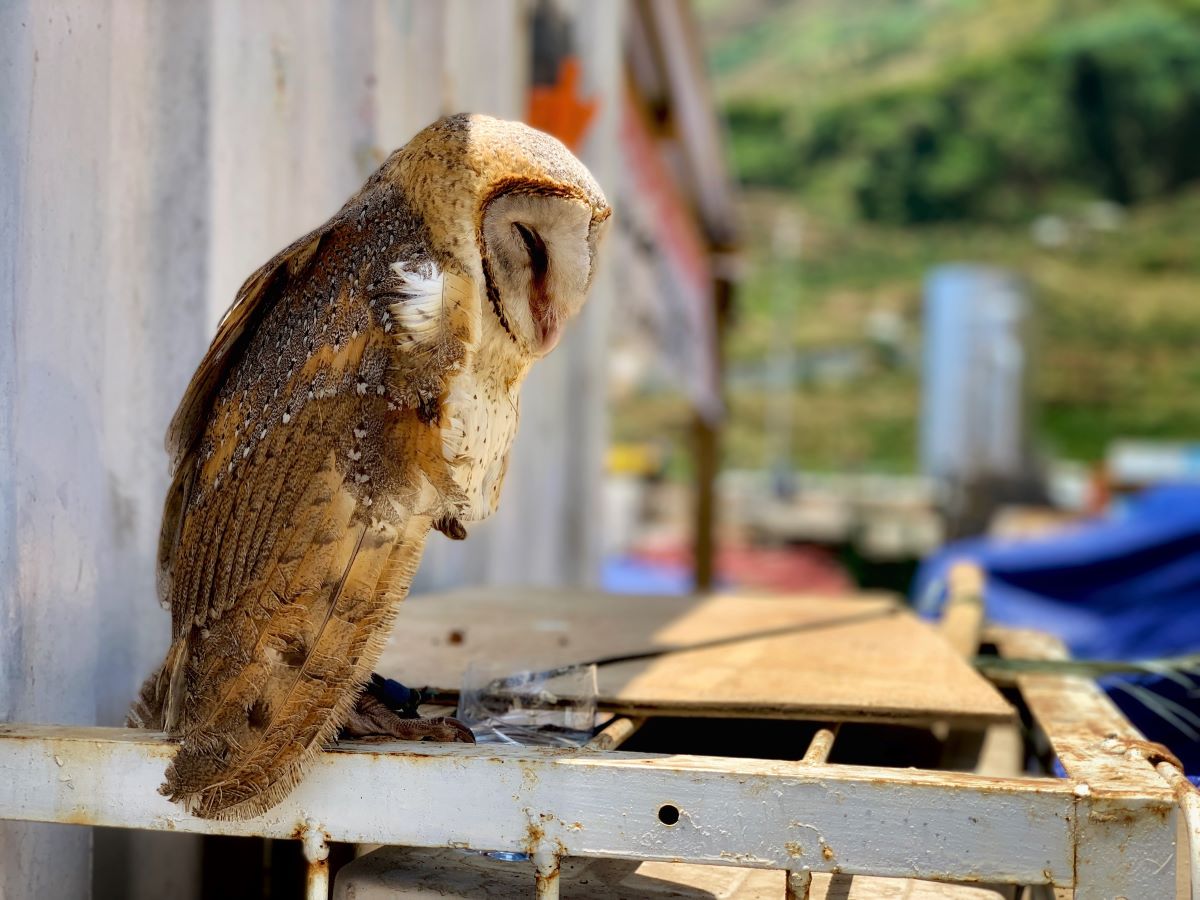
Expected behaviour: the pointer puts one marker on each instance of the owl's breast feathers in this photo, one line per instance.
(339, 410)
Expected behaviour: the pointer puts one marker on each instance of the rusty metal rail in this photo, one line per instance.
(1107, 830)
(755, 813)
(1128, 811)
(1189, 804)
(799, 882)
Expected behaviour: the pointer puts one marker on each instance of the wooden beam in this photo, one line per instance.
(706, 444)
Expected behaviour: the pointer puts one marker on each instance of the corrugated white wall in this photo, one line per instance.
(151, 156)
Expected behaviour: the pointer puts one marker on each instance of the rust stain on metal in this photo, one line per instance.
(317, 877)
(756, 786)
(534, 835)
(545, 878)
(529, 777)
(826, 851)
(1162, 812)
(793, 849)
(313, 838)
(79, 816)
(1127, 817)
(739, 857)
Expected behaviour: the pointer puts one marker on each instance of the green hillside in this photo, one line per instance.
(903, 134)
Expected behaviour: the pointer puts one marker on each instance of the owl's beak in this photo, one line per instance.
(548, 317)
(549, 333)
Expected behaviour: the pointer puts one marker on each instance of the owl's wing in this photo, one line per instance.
(254, 301)
(280, 585)
(286, 591)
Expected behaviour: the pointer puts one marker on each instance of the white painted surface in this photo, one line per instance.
(151, 156)
(741, 812)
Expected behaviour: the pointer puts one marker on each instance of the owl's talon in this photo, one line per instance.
(372, 720)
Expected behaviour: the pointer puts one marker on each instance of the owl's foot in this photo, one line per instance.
(386, 710)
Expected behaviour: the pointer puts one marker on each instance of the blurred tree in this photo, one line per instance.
(1105, 105)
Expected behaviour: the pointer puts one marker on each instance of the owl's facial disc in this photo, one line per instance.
(538, 251)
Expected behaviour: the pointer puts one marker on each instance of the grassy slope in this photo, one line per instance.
(1118, 314)
(832, 50)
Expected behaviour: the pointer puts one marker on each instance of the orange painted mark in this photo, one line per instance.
(558, 109)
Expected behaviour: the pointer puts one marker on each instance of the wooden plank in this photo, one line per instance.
(998, 749)
(861, 659)
(403, 871)
(962, 617)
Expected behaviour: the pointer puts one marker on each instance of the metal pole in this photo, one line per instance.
(821, 745)
(798, 885)
(316, 853)
(706, 448)
(1189, 803)
(616, 733)
(546, 866)
(781, 363)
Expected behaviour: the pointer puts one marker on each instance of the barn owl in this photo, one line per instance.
(361, 391)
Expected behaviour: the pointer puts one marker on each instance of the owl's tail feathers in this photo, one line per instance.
(149, 709)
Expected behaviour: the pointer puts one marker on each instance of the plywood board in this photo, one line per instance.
(860, 659)
(411, 872)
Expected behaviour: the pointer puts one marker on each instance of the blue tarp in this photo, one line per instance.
(1126, 586)
(630, 575)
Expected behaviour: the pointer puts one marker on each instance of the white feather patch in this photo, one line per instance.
(419, 312)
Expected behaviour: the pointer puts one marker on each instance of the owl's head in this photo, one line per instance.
(514, 209)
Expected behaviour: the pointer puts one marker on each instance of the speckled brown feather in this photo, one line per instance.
(309, 463)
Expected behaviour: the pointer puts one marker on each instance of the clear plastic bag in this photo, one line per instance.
(549, 708)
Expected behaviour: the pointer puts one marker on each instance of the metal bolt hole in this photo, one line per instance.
(668, 814)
